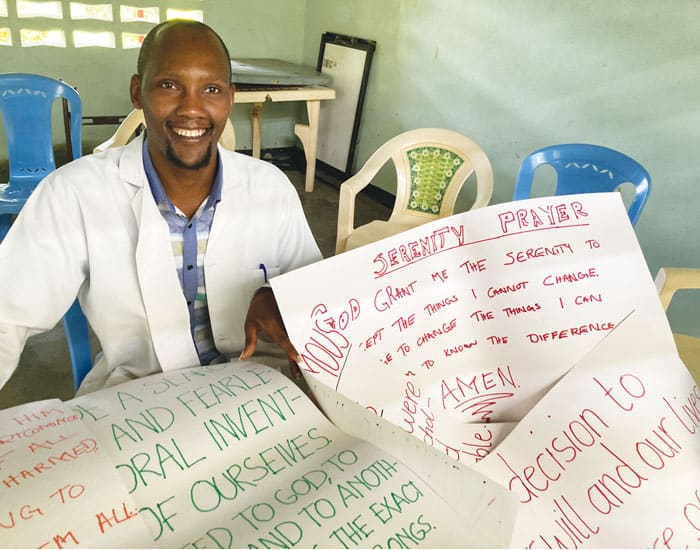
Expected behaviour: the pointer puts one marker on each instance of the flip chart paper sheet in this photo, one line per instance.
(59, 487)
(455, 329)
(230, 455)
(610, 458)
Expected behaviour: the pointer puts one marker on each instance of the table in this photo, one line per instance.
(307, 133)
(262, 79)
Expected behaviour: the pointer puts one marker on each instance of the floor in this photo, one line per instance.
(44, 368)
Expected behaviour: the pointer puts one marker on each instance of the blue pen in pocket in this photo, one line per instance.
(264, 270)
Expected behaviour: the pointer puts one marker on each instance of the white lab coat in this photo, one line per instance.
(92, 228)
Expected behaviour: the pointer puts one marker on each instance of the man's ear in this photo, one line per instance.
(135, 91)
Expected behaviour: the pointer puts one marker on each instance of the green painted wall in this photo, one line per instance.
(519, 75)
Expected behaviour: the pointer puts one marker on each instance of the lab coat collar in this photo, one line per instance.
(162, 296)
(131, 163)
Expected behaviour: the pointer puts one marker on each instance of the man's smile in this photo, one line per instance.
(184, 132)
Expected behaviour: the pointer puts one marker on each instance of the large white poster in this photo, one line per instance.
(610, 458)
(226, 456)
(513, 359)
(454, 330)
(58, 487)
(526, 340)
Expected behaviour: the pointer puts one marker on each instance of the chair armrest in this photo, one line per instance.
(349, 190)
(123, 134)
(346, 208)
(104, 145)
(670, 279)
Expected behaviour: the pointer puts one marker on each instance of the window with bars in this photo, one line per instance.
(63, 24)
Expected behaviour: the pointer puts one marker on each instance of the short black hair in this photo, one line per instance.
(150, 39)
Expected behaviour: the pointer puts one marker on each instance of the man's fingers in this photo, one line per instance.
(295, 371)
(264, 318)
(251, 340)
(288, 348)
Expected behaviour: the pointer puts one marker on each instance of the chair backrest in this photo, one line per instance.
(26, 102)
(127, 129)
(584, 168)
(432, 165)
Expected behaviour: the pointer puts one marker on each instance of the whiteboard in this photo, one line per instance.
(347, 61)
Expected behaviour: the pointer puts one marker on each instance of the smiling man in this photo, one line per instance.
(184, 87)
(168, 242)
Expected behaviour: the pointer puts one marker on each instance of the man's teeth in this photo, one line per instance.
(189, 133)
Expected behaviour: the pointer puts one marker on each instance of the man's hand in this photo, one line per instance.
(264, 316)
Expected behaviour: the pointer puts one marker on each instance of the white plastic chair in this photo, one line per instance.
(134, 119)
(431, 166)
(668, 280)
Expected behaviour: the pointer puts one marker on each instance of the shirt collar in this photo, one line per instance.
(157, 187)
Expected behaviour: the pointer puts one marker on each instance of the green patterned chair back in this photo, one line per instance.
(431, 171)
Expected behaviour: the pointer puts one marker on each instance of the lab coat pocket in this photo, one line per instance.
(264, 273)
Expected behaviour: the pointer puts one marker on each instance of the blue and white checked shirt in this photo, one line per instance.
(189, 238)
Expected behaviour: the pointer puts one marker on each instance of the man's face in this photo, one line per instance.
(186, 97)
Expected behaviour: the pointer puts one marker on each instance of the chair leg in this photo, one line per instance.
(76, 328)
(5, 223)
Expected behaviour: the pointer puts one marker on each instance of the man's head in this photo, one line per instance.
(183, 84)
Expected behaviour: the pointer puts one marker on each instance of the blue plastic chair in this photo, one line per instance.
(26, 103)
(583, 168)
